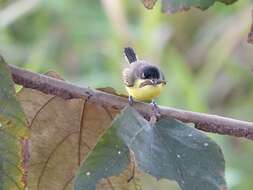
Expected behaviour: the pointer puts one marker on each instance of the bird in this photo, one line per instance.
(143, 81)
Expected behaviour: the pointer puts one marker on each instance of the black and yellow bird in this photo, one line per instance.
(143, 81)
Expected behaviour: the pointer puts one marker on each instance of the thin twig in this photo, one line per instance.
(205, 122)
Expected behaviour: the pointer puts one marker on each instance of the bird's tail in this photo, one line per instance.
(130, 54)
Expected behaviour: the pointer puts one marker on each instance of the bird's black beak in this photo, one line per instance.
(158, 81)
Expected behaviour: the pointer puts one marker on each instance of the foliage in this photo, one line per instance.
(12, 132)
(172, 6)
(206, 60)
(109, 158)
(250, 35)
(62, 134)
(169, 149)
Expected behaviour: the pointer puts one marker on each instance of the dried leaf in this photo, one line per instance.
(54, 74)
(250, 36)
(111, 90)
(172, 6)
(149, 4)
(62, 134)
(120, 182)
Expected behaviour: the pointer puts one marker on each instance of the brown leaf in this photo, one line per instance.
(54, 74)
(122, 182)
(140, 181)
(149, 4)
(111, 90)
(62, 134)
(250, 36)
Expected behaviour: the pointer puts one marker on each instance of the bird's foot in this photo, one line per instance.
(155, 108)
(155, 112)
(130, 100)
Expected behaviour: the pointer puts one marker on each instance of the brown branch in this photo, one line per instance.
(205, 122)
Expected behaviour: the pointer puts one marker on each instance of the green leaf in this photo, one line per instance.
(172, 6)
(170, 150)
(12, 116)
(109, 158)
(12, 132)
(174, 151)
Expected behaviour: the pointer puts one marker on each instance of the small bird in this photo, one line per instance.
(143, 81)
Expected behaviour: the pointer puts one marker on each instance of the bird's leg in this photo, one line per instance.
(154, 105)
(130, 100)
(155, 112)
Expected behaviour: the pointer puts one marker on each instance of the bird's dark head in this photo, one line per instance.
(149, 72)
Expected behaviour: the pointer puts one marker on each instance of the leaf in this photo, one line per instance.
(141, 181)
(111, 90)
(169, 150)
(173, 150)
(62, 134)
(12, 132)
(12, 116)
(110, 157)
(172, 6)
(250, 36)
(54, 74)
(149, 4)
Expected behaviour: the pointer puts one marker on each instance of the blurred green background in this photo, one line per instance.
(204, 55)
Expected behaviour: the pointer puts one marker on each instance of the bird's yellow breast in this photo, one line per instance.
(145, 93)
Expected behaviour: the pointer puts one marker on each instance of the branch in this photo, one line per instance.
(66, 90)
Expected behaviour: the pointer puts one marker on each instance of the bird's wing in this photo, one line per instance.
(128, 77)
(131, 73)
